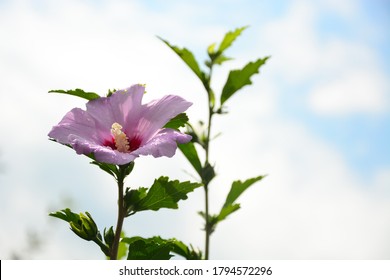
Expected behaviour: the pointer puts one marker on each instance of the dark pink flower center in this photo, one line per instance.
(110, 143)
(134, 143)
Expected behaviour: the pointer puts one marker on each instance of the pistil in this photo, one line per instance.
(121, 140)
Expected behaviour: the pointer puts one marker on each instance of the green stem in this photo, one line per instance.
(121, 214)
(207, 151)
(207, 226)
(102, 246)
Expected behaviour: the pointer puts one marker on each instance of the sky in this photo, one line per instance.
(316, 120)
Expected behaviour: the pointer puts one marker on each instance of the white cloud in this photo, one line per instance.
(293, 42)
(311, 205)
(353, 92)
(345, 74)
(346, 9)
(352, 81)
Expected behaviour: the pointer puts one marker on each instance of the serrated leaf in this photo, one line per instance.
(211, 220)
(183, 250)
(165, 194)
(221, 59)
(227, 210)
(188, 58)
(79, 93)
(179, 121)
(191, 154)
(236, 190)
(229, 38)
(135, 195)
(154, 248)
(240, 78)
(202, 214)
(132, 198)
(174, 245)
(217, 56)
(129, 240)
(140, 250)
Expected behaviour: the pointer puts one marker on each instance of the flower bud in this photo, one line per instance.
(85, 227)
(109, 236)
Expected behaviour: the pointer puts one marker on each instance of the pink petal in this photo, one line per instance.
(113, 156)
(101, 153)
(117, 107)
(76, 122)
(164, 143)
(156, 114)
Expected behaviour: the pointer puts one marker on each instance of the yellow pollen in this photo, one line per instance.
(121, 140)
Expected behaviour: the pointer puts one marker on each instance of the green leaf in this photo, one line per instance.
(179, 121)
(122, 248)
(159, 248)
(191, 154)
(109, 236)
(112, 169)
(211, 221)
(110, 92)
(183, 250)
(81, 224)
(236, 190)
(229, 38)
(85, 227)
(211, 96)
(67, 215)
(125, 169)
(130, 240)
(216, 56)
(107, 167)
(78, 92)
(221, 59)
(132, 198)
(154, 248)
(227, 210)
(211, 49)
(207, 174)
(165, 194)
(140, 250)
(240, 78)
(188, 58)
(239, 187)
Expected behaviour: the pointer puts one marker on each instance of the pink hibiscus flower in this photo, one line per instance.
(119, 128)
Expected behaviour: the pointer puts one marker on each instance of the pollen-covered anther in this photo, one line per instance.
(121, 140)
